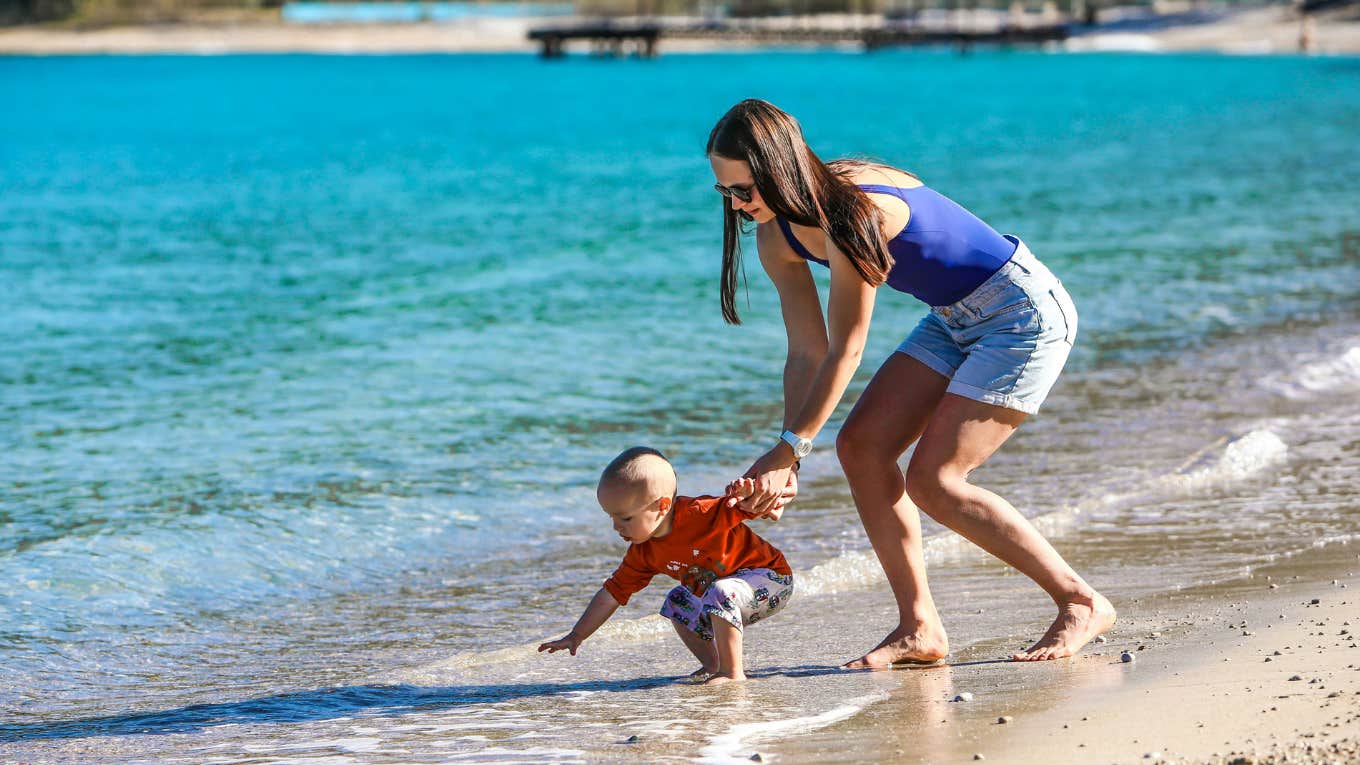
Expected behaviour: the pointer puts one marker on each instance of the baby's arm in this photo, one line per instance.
(601, 607)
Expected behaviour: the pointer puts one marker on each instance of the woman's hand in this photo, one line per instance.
(769, 485)
(744, 488)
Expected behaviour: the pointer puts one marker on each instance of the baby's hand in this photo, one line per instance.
(744, 487)
(569, 643)
(738, 490)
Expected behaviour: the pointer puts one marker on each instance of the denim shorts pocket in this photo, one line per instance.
(1012, 298)
(1068, 310)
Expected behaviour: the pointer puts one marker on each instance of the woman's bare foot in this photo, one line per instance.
(725, 677)
(701, 673)
(922, 645)
(1078, 622)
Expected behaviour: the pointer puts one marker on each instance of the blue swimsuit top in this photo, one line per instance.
(943, 254)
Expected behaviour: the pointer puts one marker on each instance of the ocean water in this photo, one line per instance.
(311, 363)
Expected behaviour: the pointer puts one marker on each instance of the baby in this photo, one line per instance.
(729, 576)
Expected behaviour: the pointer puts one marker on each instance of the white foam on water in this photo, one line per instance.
(1331, 375)
(734, 745)
(1240, 458)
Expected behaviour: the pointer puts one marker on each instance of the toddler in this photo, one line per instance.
(729, 576)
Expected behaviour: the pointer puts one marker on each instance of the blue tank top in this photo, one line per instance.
(943, 254)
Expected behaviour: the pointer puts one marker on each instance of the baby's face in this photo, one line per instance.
(635, 514)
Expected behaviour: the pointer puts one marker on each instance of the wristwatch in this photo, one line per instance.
(801, 446)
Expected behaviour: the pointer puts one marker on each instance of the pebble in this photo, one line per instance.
(1294, 677)
(1003, 719)
(632, 740)
(1100, 638)
(1152, 756)
(756, 758)
(1274, 586)
(1269, 659)
(1126, 657)
(979, 756)
(1315, 601)
(965, 696)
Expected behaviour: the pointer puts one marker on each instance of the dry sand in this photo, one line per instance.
(1274, 29)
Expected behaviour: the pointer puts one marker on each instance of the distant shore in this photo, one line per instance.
(1258, 31)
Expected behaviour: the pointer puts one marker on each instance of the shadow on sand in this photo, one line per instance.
(334, 703)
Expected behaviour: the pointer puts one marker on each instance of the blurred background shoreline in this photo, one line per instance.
(77, 27)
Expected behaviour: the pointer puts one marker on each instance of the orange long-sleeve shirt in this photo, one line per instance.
(707, 541)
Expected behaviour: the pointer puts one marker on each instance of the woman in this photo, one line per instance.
(998, 333)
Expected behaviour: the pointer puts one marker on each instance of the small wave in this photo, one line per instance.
(1238, 458)
(723, 748)
(1332, 375)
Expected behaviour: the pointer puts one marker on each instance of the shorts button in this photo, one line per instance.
(944, 312)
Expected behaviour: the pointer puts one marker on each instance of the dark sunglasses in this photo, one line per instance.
(741, 193)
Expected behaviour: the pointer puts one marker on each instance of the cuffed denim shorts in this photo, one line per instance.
(1004, 343)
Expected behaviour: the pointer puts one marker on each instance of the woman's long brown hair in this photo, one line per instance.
(797, 186)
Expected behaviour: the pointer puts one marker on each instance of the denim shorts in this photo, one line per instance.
(1004, 343)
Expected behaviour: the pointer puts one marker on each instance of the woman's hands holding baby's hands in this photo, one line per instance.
(742, 489)
(571, 642)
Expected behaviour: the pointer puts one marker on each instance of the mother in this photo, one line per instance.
(997, 335)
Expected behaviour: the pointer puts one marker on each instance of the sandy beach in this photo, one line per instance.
(1261, 670)
(1256, 31)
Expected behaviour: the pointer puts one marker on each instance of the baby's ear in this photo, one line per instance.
(665, 504)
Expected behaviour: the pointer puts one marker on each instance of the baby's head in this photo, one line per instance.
(637, 490)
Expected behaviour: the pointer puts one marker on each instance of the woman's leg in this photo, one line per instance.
(961, 435)
(890, 415)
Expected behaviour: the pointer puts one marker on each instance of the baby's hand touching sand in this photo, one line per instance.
(569, 643)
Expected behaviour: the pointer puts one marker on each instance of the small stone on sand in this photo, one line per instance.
(1003, 719)
(979, 756)
(756, 758)
(965, 696)
(1294, 677)
(1100, 638)
(1126, 657)
(632, 740)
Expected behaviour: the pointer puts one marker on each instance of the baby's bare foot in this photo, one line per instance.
(702, 673)
(1078, 623)
(725, 677)
(922, 645)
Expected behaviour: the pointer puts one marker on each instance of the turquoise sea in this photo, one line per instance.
(311, 362)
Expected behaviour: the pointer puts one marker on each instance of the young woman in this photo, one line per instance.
(997, 335)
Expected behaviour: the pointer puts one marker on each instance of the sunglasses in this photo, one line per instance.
(740, 193)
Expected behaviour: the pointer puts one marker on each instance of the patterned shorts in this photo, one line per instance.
(744, 598)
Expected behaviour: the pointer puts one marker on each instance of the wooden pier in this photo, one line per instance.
(608, 38)
(604, 38)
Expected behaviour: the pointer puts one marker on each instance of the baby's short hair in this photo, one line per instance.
(636, 466)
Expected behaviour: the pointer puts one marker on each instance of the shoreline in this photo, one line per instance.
(1249, 671)
(1272, 30)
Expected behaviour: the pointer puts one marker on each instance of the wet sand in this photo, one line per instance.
(1252, 671)
(1264, 30)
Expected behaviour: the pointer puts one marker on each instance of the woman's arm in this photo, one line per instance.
(801, 307)
(849, 311)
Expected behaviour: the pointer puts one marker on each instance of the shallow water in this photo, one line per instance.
(313, 361)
